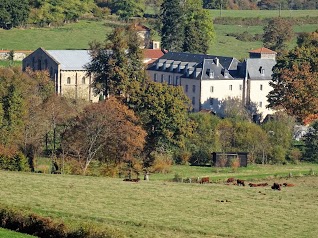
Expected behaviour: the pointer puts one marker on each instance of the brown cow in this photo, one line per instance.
(240, 182)
(262, 184)
(253, 185)
(276, 186)
(230, 180)
(288, 185)
(205, 180)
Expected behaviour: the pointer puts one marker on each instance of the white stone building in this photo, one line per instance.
(209, 80)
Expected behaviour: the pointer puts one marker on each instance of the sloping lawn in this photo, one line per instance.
(11, 234)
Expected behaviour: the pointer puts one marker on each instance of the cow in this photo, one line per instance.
(205, 180)
(253, 185)
(240, 182)
(262, 184)
(131, 180)
(276, 186)
(230, 180)
(288, 185)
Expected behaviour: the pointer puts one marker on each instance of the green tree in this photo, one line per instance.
(126, 9)
(172, 30)
(294, 80)
(199, 30)
(280, 134)
(311, 144)
(277, 33)
(13, 13)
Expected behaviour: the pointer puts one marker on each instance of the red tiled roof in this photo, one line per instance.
(152, 53)
(139, 27)
(263, 50)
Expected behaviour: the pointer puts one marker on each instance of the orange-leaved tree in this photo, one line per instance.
(107, 131)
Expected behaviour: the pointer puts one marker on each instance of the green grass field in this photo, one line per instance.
(158, 208)
(11, 234)
(264, 13)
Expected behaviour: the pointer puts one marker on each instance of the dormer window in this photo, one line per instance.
(262, 70)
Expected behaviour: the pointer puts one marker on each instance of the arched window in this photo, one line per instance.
(68, 80)
(83, 80)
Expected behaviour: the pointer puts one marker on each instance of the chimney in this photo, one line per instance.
(216, 61)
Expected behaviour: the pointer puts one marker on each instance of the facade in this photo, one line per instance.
(66, 69)
(210, 80)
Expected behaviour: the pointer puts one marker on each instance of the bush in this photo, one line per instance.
(222, 161)
(200, 157)
(15, 162)
(161, 164)
(182, 157)
(235, 163)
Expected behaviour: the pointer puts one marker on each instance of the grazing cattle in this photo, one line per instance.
(240, 182)
(253, 185)
(230, 180)
(276, 186)
(205, 180)
(288, 185)
(258, 184)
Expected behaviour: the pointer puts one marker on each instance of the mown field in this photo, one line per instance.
(78, 35)
(159, 208)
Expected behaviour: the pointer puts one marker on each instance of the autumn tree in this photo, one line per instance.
(277, 33)
(107, 131)
(294, 80)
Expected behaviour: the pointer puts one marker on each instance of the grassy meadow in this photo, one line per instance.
(159, 208)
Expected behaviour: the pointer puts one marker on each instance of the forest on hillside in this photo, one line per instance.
(15, 13)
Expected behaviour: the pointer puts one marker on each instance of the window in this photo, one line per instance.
(39, 64)
(162, 78)
(212, 89)
(193, 88)
(83, 80)
(230, 87)
(169, 79)
(186, 88)
(241, 87)
(45, 63)
(155, 77)
(261, 87)
(177, 80)
(211, 101)
(68, 80)
(260, 104)
(193, 100)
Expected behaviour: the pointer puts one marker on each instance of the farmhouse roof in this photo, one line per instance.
(153, 53)
(263, 50)
(70, 59)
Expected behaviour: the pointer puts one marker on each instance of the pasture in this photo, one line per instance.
(159, 208)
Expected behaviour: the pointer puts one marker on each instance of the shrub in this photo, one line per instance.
(161, 164)
(72, 166)
(235, 163)
(221, 161)
(182, 157)
(200, 157)
(15, 162)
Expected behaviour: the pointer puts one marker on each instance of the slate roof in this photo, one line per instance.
(70, 59)
(197, 65)
(255, 68)
(227, 62)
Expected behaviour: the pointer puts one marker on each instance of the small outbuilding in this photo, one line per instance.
(224, 159)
